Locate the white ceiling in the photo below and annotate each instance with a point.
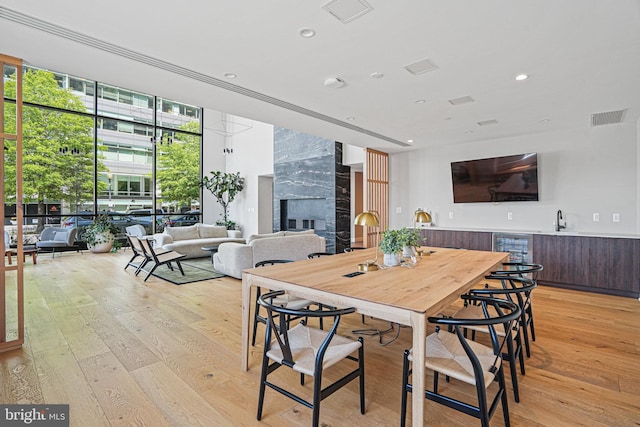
(583, 57)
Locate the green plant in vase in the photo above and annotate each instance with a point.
(100, 235)
(391, 245)
(224, 186)
(410, 238)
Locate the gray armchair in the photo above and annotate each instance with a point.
(60, 239)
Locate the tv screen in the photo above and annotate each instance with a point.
(496, 179)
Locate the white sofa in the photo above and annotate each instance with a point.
(232, 258)
(189, 240)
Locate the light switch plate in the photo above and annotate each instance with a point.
(450, 215)
(616, 217)
(596, 217)
(509, 216)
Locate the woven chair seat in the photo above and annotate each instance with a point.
(446, 355)
(305, 342)
(292, 302)
(475, 312)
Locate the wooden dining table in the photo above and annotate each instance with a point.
(407, 296)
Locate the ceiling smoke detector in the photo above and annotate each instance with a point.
(334, 82)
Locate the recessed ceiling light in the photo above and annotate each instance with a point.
(521, 77)
(377, 75)
(420, 101)
(307, 33)
(409, 140)
(230, 75)
(351, 118)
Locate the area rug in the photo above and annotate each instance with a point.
(195, 270)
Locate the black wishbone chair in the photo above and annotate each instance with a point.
(308, 351)
(519, 292)
(451, 354)
(285, 300)
(528, 270)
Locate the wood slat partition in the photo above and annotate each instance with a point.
(11, 276)
(377, 192)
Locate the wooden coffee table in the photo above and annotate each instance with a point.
(27, 250)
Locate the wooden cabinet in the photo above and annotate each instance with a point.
(475, 240)
(600, 264)
(597, 264)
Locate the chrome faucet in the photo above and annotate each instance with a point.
(558, 218)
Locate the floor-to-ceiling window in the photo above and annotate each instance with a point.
(91, 148)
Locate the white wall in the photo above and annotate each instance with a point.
(253, 157)
(212, 159)
(582, 171)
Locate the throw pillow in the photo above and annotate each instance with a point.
(182, 233)
(61, 236)
(262, 236)
(211, 231)
(293, 233)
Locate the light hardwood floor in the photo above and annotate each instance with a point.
(123, 352)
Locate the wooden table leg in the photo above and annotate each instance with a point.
(8, 254)
(419, 325)
(246, 320)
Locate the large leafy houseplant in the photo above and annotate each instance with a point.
(100, 234)
(224, 186)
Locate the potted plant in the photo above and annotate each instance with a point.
(100, 234)
(224, 186)
(391, 245)
(410, 238)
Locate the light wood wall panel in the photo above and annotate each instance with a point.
(376, 192)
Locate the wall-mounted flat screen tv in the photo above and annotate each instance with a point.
(496, 179)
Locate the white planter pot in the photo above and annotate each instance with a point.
(391, 260)
(408, 251)
(106, 245)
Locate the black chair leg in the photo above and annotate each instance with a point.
(512, 368)
(256, 318)
(405, 380)
(361, 364)
(317, 391)
(150, 271)
(530, 322)
(505, 403)
(263, 380)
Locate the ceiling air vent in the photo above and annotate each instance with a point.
(488, 122)
(347, 10)
(461, 100)
(607, 118)
(421, 67)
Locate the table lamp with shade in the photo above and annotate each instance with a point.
(421, 217)
(369, 219)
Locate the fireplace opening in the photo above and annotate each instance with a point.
(303, 214)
